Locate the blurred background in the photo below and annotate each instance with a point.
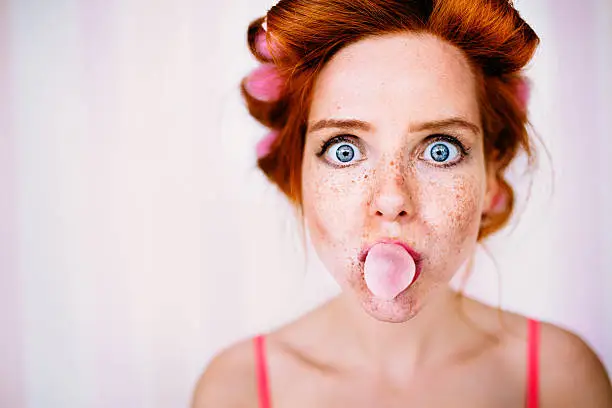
(137, 237)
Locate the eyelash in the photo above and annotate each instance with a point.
(464, 151)
(336, 139)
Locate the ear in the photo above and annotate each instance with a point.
(493, 192)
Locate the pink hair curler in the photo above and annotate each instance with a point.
(262, 46)
(264, 83)
(523, 92)
(263, 146)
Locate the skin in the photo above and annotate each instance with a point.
(428, 347)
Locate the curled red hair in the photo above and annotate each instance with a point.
(497, 42)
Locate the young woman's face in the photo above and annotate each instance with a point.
(394, 151)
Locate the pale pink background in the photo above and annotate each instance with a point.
(137, 236)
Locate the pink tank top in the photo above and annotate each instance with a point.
(533, 341)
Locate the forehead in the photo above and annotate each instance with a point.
(396, 77)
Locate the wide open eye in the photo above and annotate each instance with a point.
(444, 151)
(341, 151)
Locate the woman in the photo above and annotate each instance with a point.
(392, 125)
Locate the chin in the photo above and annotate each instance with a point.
(398, 310)
(389, 311)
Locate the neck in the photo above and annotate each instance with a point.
(408, 344)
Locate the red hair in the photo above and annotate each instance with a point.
(497, 42)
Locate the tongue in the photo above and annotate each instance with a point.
(388, 270)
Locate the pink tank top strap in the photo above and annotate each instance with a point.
(533, 352)
(261, 372)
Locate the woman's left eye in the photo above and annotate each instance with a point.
(442, 152)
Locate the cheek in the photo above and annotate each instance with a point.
(334, 203)
(452, 212)
(453, 203)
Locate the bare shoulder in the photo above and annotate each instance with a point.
(571, 373)
(229, 380)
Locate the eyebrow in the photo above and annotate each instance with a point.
(339, 124)
(446, 123)
(419, 127)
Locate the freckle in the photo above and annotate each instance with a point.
(392, 163)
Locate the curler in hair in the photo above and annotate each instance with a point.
(263, 146)
(264, 83)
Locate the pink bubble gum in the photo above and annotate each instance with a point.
(265, 83)
(263, 146)
(388, 270)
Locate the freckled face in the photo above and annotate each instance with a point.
(394, 151)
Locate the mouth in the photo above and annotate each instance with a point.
(413, 253)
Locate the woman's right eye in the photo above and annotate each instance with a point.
(341, 151)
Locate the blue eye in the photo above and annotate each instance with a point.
(441, 151)
(345, 153)
(341, 151)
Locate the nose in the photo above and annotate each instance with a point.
(390, 207)
(392, 199)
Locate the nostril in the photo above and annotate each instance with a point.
(402, 213)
